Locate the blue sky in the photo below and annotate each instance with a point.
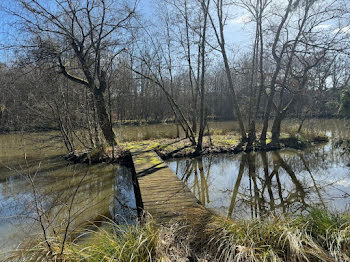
(238, 34)
(238, 30)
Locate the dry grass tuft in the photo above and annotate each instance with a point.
(116, 243)
(319, 236)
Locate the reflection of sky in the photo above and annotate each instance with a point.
(53, 188)
(328, 181)
(14, 212)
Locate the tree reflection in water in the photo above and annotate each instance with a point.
(72, 195)
(257, 185)
(195, 168)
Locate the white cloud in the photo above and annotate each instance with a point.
(344, 30)
(322, 27)
(344, 183)
(244, 19)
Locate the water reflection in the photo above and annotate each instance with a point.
(260, 184)
(37, 183)
(73, 195)
(200, 179)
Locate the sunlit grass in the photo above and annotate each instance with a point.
(108, 243)
(318, 236)
(116, 243)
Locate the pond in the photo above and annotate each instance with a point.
(34, 179)
(259, 184)
(37, 183)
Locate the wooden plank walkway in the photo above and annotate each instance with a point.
(164, 195)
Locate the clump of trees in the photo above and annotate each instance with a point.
(92, 63)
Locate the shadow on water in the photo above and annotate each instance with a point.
(260, 184)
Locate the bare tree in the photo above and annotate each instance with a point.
(83, 37)
(218, 25)
(257, 10)
(202, 112)
(295, 52)
(153, 59)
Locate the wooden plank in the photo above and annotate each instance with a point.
(164, 195)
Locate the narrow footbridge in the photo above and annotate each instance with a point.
(164, 195)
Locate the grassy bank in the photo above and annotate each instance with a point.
(129, 133)
(168, 148)
(116, 243)
(218, 143)
(317, 236)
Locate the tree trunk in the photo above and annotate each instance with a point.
(301, 124)
(252, 91)
(269, 106)
(103, 118)
(251, 134)
(278, 59)
(260, 60)
(235, 101)
(194, 121)
(96, 124)
(221, 41)
(202, 112)
(276, 126)
(276, 129)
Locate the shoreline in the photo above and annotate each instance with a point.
(168, 149)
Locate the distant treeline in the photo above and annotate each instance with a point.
(32, 101)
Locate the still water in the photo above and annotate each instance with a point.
(260, 184)
(37, 184)
(35, 180)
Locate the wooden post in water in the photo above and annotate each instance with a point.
(127, 200)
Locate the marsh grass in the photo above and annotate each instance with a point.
(107, 242)
(145, 132)
(307, 133)
(36, 250)
(115, 243)
(331, 231)
(318, 236)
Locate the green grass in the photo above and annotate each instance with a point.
(116, 243)
(331, 231)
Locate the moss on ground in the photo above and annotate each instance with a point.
(178, 148)
(228, 143)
